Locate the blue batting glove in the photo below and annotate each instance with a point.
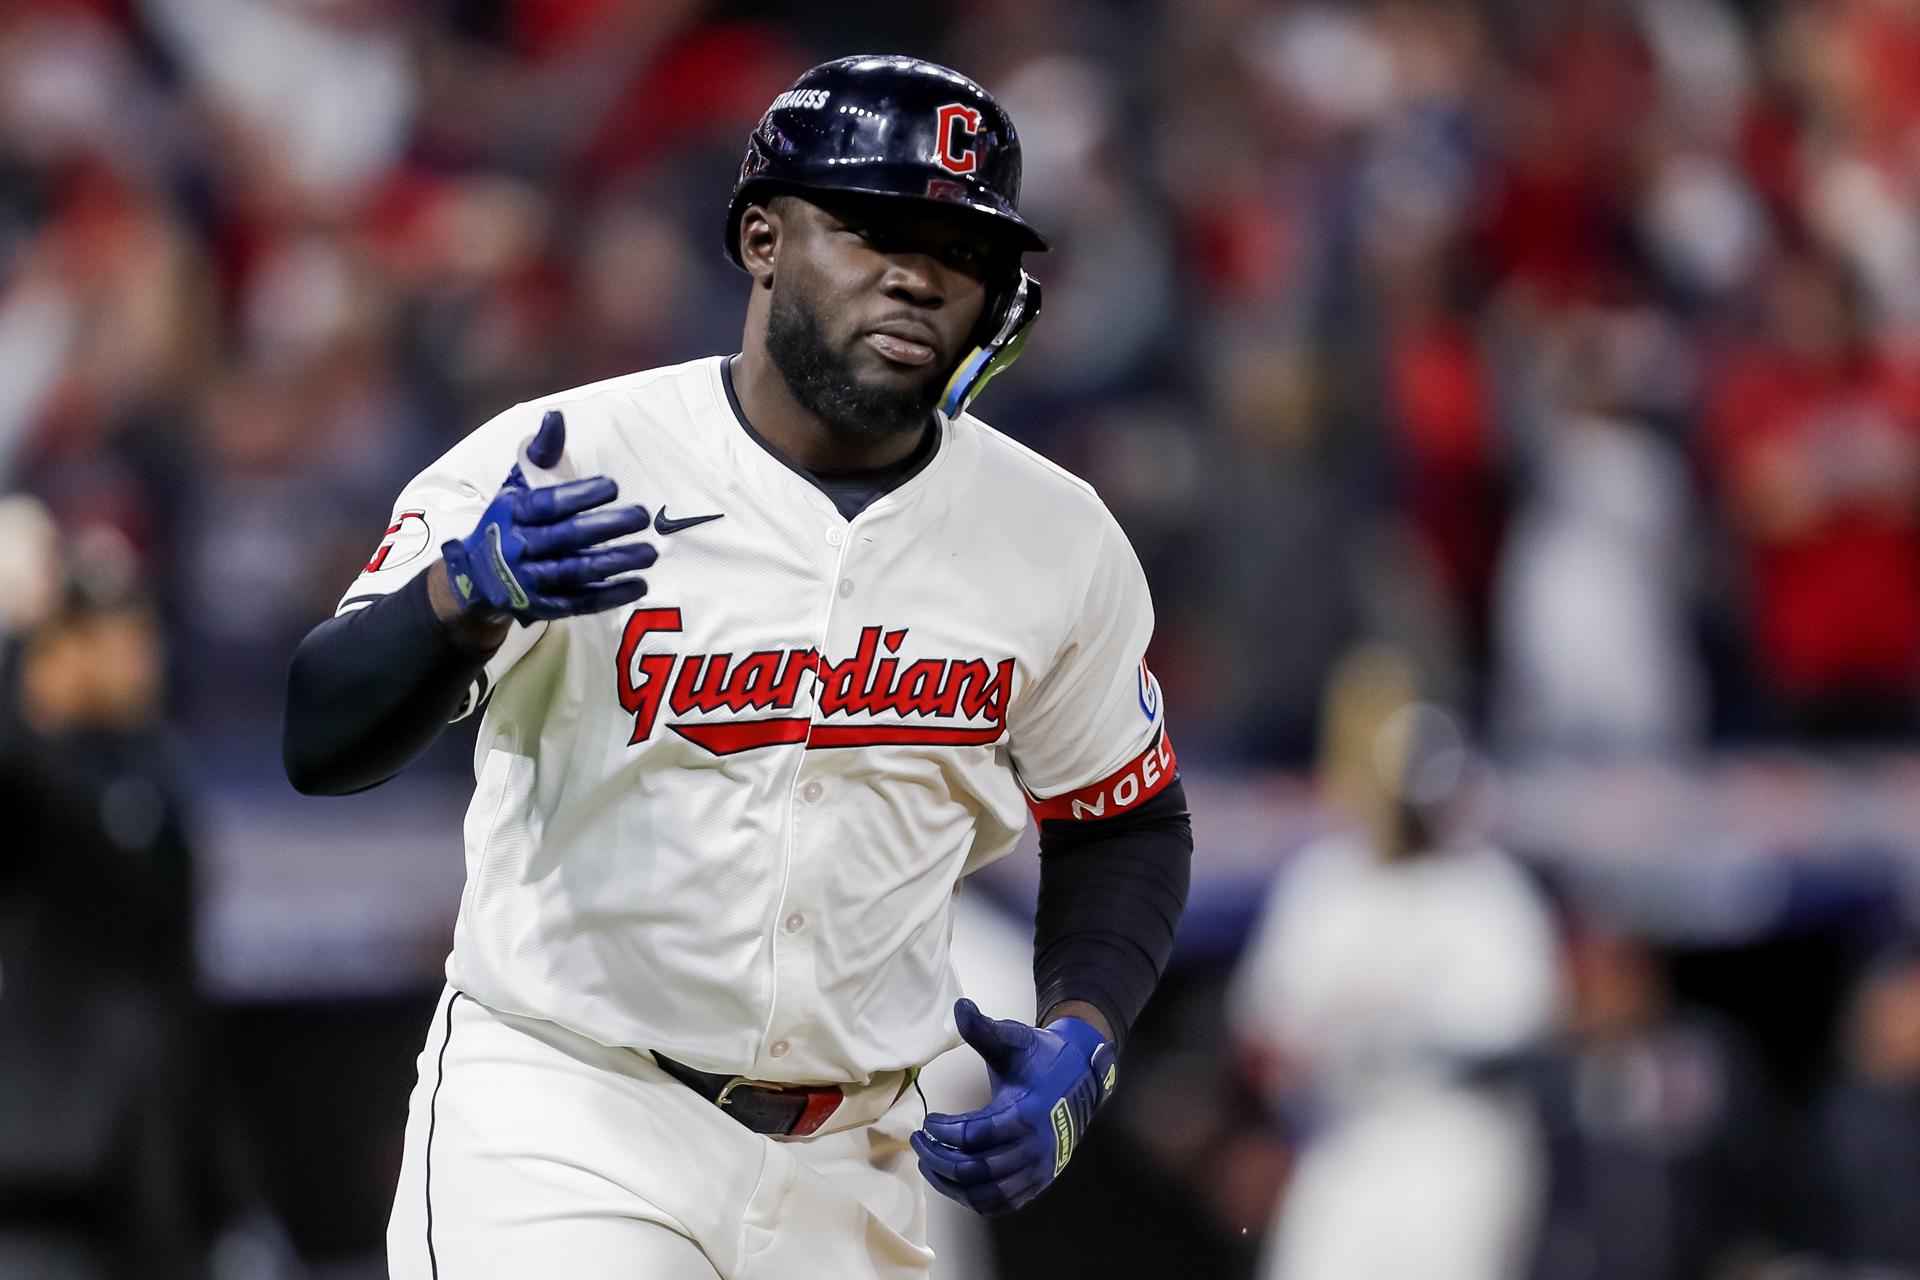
(1046, 1083)
(537, 553)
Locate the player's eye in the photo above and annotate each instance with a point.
(972, 261)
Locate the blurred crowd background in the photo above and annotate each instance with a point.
(1515, 405)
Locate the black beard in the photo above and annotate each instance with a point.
(824, 384)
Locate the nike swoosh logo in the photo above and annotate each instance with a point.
(666, 524)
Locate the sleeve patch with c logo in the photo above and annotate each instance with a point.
(405, 538)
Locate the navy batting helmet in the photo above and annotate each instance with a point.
(887, 125)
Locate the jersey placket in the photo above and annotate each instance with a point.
(795, 996)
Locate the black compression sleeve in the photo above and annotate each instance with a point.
(1111, 894)
(369, 691)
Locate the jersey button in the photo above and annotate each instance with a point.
(846, 587)
(777, 1049)
(812, 791)
(833, 537)
(796, 922)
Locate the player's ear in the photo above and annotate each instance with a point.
(760, 241)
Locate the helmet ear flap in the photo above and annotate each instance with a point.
(1010, 323)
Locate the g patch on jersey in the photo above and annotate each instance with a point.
(1149, 693)
(404, 539)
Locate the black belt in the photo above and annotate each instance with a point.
(788, 1110)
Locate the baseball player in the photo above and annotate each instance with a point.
(721, 812)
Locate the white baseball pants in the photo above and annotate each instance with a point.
(532, 1152)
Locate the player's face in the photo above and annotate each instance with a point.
(874, 303)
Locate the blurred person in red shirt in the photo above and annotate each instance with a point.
(1813, 439)
(1441, 411)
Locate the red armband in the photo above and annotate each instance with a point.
(1128, 787)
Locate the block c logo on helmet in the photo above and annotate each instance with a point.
(955, 122)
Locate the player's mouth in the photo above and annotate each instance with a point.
(904, 344)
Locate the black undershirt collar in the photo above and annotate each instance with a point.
(851, 492)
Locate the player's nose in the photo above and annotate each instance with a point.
(914, 278)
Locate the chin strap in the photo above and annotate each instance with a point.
(982, 363)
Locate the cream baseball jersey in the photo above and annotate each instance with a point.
(728, 822)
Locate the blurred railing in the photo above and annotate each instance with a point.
(332, 897)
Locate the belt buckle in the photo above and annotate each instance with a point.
(726, 1091)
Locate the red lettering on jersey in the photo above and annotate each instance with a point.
(758, 678)
(695, 690)
(800, 663)
(731, 737)
(919, 688)
(869, 682)
(1128, 787)
(843, 684)
(957, 121)
(882, 735)
(643, 683)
